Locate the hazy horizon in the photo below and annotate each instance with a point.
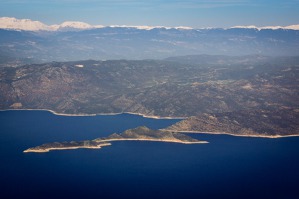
(196, 14)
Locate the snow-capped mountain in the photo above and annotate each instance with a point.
(72, 25)
(291, 27)
(22, 24)
(77, 40)
(29, 25)
(151, 27)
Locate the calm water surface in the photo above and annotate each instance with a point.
(227, 167)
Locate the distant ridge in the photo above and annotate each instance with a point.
(30, 25)
(291, 27)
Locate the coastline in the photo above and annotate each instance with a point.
(231, 134)
(65, 148)
(155, 117)
(153, 140)
(100, 145)
(95, 114)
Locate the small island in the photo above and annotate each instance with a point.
(137, 134)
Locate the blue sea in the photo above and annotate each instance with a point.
(227, 167)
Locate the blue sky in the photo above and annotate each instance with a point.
(194, 13)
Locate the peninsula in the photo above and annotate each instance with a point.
(250, 123)
(137, 134)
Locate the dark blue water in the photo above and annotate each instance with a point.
(227, 167)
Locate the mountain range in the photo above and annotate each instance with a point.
(30, 25)
(240, 80)
(21, 43)
(12, 23)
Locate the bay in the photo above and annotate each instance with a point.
(227, 167)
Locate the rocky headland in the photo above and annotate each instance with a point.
(138, 134)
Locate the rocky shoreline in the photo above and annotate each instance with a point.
(138, 134)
